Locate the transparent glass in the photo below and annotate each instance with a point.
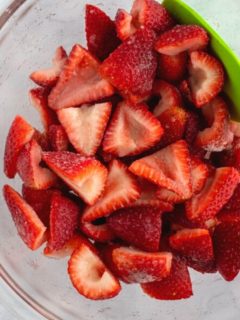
(27, 42)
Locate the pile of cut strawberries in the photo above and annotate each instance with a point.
(135, 177)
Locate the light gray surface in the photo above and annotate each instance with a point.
(223, 15)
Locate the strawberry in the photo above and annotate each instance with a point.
(64, 215)
(124, 24)
(229, 215)
(20, 133)
(39, 99)
(30, 228)
(231, 156)
(42, 139)
(132, 130)
(235, 128)
(176, 286)
(172, 68)
(185, 90)
(226, 240)
(100, 32)
(148, 197)
(218, 135)
(98, 232)
(92, 119)
(234, 202)
(206, 77)
(199, 174)
(168, 168)
(40, 201)
(168, 95)
(168, 196)
(86, 176)
(90, 276)
(58, 138)
(132, 66)
(135, 266)
(29, 169)
(48, 77)
(182, 38)
(79, 82)
(192, 127)
(195, 244)
(121, 189)
(151, 14)
(218, 189)
(139, 226)
(203, 267)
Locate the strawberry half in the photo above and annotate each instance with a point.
(168, 95)
(176, 286)
(39, 99)
(182, 38)
(206, 77)
(121, 189)
(40, 201)
(218, 135)
(58, 138)
(172, 68)
(139, 226)
(30, 228)
(90, 119)
(86, 176)
(48, 77)
(28, 167)
(226, 240)
(168, 168)
(135, 266)
(124, 24)
(100, 32)
(64, 215)
(20, 133)
(90, 276)
(193, 244)
(79, 81)
(98, 232)
(133, 57)
(218, 189)
(132, 130)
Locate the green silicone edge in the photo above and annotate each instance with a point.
(185, 14)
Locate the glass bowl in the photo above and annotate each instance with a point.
(30, 32)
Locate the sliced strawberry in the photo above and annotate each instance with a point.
(182, 38)
(229, 215)
(58, 138)
(231, 156)
(195, 244)
(30, 228)
(203, 267)
(174, 122)
(29, 169)
(92, 119)
(185, 90)
(48, 77)
(168, 168)
(135, 266)
(64, 215)
(192, 127)
(42, 139)
(98, 232)
(151, 14)
(20, 133)
(226, 239)
(199, 173)
(168, 95)
(176, 286)
(206, 77)
(90, 276)
(39, 99)
(124, 24)
(40, 201)
(69, 247)
(132, 130)
(86, 176)
(172, 68)
(235, 128)
(79, 82)
(121, 190)
(234, 201)
(148, 197)
(139, 226)
(169, 196)
(218, 189)
(132, 66)
(218, 135)
(100, 32)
